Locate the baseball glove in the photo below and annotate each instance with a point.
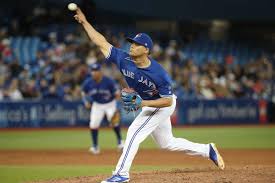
(131, 99)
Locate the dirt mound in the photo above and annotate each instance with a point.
(242, 165)
(206, 175)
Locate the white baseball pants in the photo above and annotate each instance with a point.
(99, 110)
(155, 121)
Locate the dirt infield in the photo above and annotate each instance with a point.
(241, 165)
(251, 174)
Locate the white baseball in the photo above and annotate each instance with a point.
(72, 6)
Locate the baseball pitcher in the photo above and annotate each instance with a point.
(149, 89)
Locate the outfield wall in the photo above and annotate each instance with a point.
(54, 113)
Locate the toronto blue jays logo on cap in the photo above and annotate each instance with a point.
(138, 35)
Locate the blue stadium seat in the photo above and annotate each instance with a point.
(25, 49)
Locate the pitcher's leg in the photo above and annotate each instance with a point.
(142, 126)
(96, 117)
(164, 137)
(113, 117)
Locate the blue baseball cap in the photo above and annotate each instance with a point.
(95, 67)
(142, 39)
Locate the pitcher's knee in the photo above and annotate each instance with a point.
(166, 146)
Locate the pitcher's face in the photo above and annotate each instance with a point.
(137, 50)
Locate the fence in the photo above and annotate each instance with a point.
(52, 113)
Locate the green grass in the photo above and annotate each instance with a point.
(241, 138)
(232, 137)
(16, 174)
(225, 137)
(22, 174)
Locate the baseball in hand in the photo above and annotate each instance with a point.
(72, 6)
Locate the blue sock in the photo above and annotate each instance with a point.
(118, 134)
(94, 134)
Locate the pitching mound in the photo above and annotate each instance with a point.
(229, 175)
(242, 166)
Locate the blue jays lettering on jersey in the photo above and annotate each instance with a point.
(102, 92)
(151, 83)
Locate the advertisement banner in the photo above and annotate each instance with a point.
(43, 114)
(65, 114)
(218, 111)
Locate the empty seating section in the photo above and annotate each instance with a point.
(202, 51)
(25, 49)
